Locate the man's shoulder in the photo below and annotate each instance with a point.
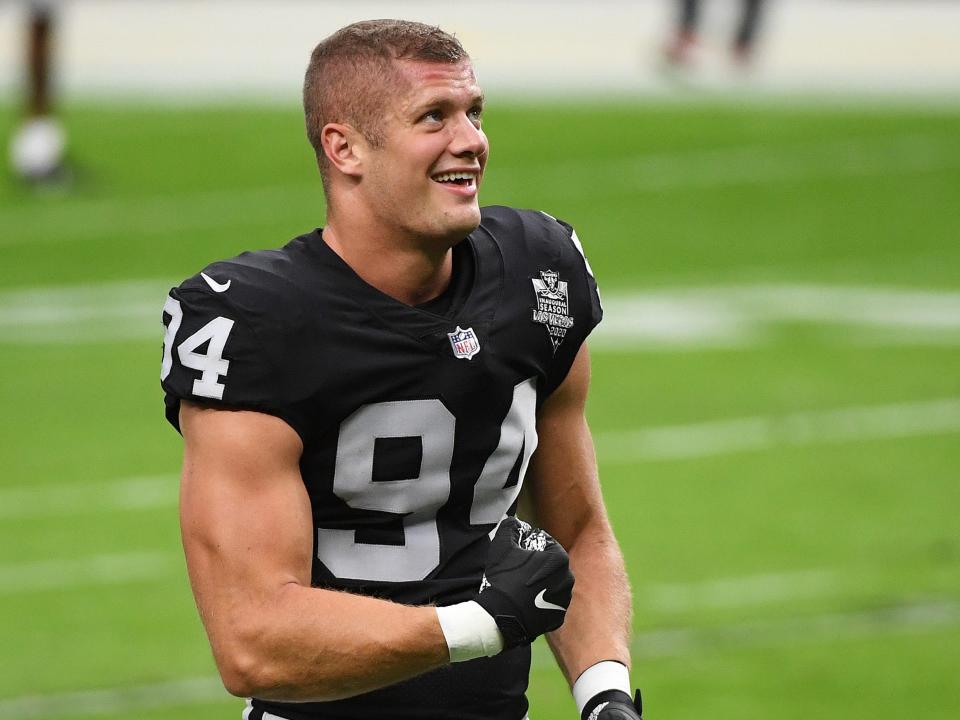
(532, 224)
(259, 273)
(235, 334)
(255, 284)
(542, 251)
(531, 236)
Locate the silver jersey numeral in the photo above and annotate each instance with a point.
(419, 498)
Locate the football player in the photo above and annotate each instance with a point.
(680, 49)
(39, 143)
(362, 407)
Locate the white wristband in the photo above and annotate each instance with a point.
(469, 630)
(606, 675)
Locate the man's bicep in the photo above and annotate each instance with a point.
(244, 512)
(562, 484)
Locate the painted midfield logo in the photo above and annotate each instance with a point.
(553, 306)
(464, 343)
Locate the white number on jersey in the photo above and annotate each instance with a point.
(210, 364)
(418, 498)
(172, 308)
(518, 432)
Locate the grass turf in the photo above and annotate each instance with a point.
(663, 195)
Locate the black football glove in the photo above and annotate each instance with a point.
(613, 705)
(527, 585)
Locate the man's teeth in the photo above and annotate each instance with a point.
(451, 177)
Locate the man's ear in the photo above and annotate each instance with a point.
(344, 147)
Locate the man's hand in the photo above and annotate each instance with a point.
(613, 705)
(527, 584)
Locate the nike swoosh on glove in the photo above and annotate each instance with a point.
(527, 584)
(613, 705)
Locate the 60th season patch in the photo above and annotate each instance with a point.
(553, 306)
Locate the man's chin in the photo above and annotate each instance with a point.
(463, 222)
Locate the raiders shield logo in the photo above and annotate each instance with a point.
(553, 306)
(464, 343)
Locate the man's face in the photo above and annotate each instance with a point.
(425, 176)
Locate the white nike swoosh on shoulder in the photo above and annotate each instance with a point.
(543, 604)
(214, 285)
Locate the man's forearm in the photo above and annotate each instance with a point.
(312, 644)
(287, 641)
(597, 626)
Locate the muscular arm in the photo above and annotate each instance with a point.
(565, 493)
(247, 534)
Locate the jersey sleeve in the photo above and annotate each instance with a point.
(584, 307)
(592, 291)
(228, 343)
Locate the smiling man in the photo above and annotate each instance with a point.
(362, 407)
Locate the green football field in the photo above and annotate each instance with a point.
(776, 396)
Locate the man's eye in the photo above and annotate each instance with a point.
(433, 115)
(476, 114)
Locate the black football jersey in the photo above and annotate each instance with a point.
(418, 423)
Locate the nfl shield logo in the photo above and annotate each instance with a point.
(464, 342)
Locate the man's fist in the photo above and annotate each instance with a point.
(613, 705)
(527, 584)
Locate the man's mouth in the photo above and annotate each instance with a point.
(464, 179)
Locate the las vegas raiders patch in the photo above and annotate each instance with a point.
(553, 306)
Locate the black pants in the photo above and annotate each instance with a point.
(746, 30)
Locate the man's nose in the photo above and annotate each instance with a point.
(468, 139)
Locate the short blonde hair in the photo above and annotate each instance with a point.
(352, 72)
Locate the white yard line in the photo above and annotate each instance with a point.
(115, 569)
(75, 220)
(822, 629)
(115, 701)
(755, 165)
(745, 591)
(826, 427)
(79, 314)
(78, 220)
(800, 630)
(45, 500)
(696, 318)
(655, 443)
(745, 315)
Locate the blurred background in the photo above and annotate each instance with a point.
(770, 198)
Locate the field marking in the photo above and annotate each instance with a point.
(79, 314)
(798, 630)
(108, 569)
(94, 219)
(652, 644)
(746, 315)
(74, 219)
(697, 318)
(756, 165)
(743, 591)
(654, 443)
(51, 500)
(761, 432)
(115, 701)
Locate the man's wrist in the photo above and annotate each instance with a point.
(470, 631)
(600, 677)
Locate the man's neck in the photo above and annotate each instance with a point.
(407, 270)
